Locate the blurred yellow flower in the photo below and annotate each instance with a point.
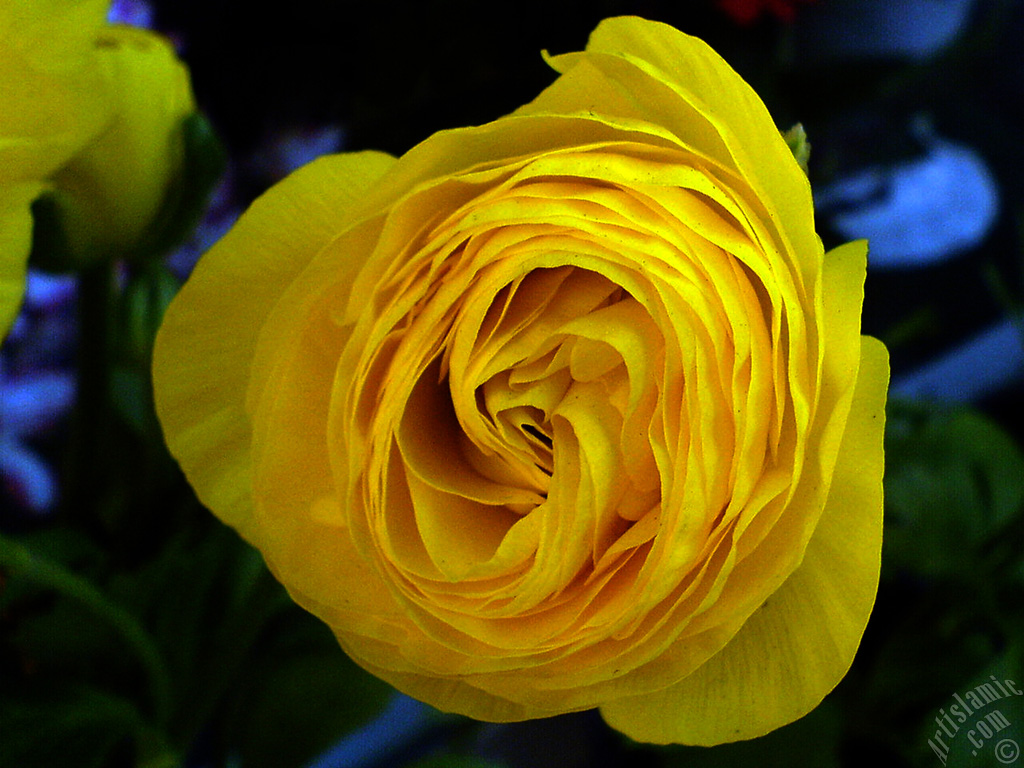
(108, 100)
(52, 87)
(568, 410)
(112, 191)
(53, 100)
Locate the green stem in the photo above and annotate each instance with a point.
(19, 560)
(231, 646)
(90, 448)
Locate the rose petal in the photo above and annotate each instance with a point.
(220, 312)
(801, 642)
(670, 79)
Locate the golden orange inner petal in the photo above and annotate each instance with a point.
(560, 411)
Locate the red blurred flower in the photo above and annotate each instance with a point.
(748, 11)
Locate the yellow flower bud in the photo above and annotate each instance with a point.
(112, 192)
(53, 100)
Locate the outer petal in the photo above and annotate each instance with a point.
(452, 695)
(15, 243)
(801, 642)
(656, 73)
(204, 351)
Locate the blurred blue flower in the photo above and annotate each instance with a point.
(918, 211)
(293, 148)
(137, 13)
(37, 390)
(45, 295)
(915, 29)
(395, 728)
(222, 211)
(29, 406)
(977, 368)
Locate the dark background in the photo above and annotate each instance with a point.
(253, 682)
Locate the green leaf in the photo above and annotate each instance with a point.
(81, 727)
(207, 598)
(796, 138)
(301, 705)
(129, 395)
(20, 562)
(51, 249)
(983, 736)
(954, 483)
(930, 644)
(204, 162)
(141, 308)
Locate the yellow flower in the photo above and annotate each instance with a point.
(568, 410)
(52, 89)
(52, 101)
(111, 193)
(92, 113)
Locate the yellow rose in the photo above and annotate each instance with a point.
(111, 193)
(567, 410)
(52, 101)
